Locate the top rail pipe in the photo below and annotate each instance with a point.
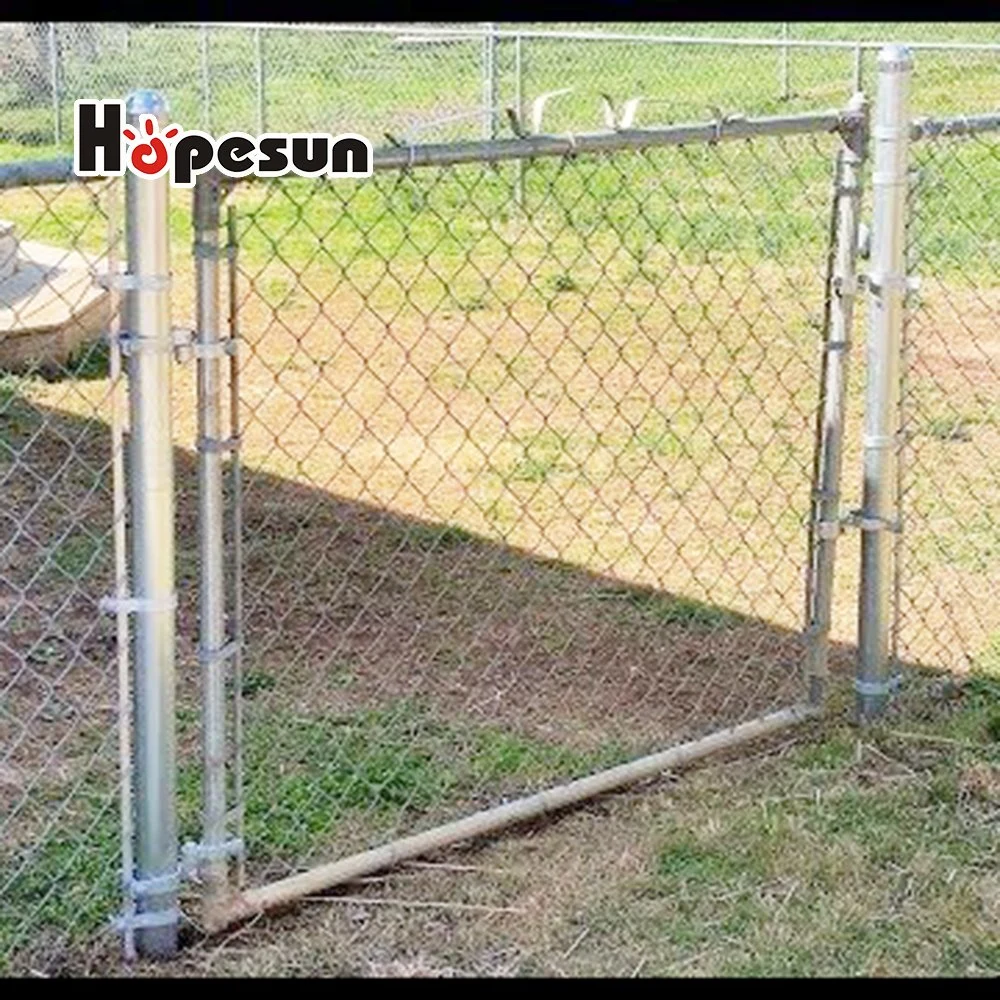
(443, 154)
(31, 173)
(459, 33)
(929, 128)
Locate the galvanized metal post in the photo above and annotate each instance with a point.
(858, 68)
(519, 105)
(236, 484)
(489, 80)
(206, 82)
(54, 83)
(785, 91)
(151, 489)
(887, 287)
(826, 522)
(258, 45)
(212, 646)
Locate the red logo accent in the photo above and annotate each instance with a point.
(149, 158)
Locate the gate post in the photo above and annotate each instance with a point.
(148, 341)
(887, 287)
(210, 855)
(826, 522)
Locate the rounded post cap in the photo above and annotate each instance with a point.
(894, 58)
(858, 101)
(146, 102)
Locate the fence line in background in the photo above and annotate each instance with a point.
(486, 102)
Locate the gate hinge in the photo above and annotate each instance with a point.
(137, 889)
(876, 688)
(878, 284)
(181, 343)
(857, 519)
(188, 346)
(193, 854)
(854, 519)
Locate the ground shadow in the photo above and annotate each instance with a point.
(394, 669)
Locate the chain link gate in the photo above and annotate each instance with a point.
(493, 457)
(502, 493)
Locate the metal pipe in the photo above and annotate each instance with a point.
(150, 359)
(236, 479)
(489, 80)
(931, 128)
(519, 105)
(443, 154)
(33, 173)
(840, 298)
(213, 868)
(887, 285)
(785, 92)
(600, 36)
(858, 68)
(54, 83)
(120, 542)
(491, 821)
(206, 82)
(259, 56)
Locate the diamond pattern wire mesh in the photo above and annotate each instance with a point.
(58, 679)
(427, 83)
(950, 479)
(526, 489)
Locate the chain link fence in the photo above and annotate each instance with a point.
(950, 479)
(533, 476)
(58, 675)
(443, 82)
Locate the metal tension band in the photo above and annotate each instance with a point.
(153, 918)
(192, 854)
(878, 283)
(837, 346)
(206, 657)
(828, 529)
(128, 342)
(218, 444)
(888, 178)
(856, 519)
(135, 282)
(845, 289)
(218, 348)
(205, 250)
(137, 605)
(879, 442)
(890, 131)
(158, 885)
(876, 688)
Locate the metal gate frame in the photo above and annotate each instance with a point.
(224, 900)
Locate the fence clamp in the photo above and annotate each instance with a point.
(876, 688)
(129, 343)
(133, 282)
(193, 854)
(137, 889)
(877, 284)
(113, 604)
(857, 519)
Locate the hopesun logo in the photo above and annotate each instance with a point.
(105, 145)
